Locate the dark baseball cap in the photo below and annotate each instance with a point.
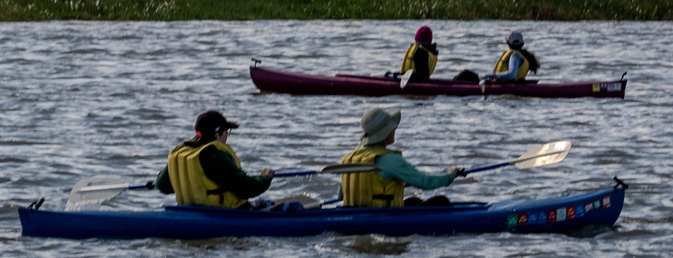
(212, 122)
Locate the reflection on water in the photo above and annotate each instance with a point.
(377, 244)
(82, 99)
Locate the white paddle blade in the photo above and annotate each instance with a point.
(378, 74)
(91, 192)
(482, 85)
(350, 168)
(405, 78)
(546, 154)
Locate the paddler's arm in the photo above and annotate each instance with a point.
(513, 65)
(221, 168)
(394, 165)
(163, 182)
(340, 194)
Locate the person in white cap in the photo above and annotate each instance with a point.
(386, 188)
(515, 63)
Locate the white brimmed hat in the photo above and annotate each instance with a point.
(514, 38)
(378, 124)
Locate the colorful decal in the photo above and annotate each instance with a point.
(606, 201)
(532, 219)
(579, 211)
(561, 214)
(617, 86)
(596, 87)
(558, 214)
(570, 212)
(551, 216)
(512, 220)
(542, 217)
(523, 219)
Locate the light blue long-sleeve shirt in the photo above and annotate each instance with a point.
(394, 166)
(513, 68)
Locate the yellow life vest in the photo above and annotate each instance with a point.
(370, 189)
(409, 64)
(503, 64)
(190, 183)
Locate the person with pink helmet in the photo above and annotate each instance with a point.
(421, 57)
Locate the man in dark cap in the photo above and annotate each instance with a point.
(206, 171)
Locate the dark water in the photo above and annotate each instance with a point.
(80, 99)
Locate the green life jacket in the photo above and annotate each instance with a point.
(503, 64)
(409, 64)
(370, 189)
(191, 185)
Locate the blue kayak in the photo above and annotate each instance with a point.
(558, 214)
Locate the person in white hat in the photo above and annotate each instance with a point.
(386, 188)
(515, 63)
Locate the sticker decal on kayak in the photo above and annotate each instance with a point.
(557, 215)
(613, 86)
(606, 201)
(617, 86)
(570, 212)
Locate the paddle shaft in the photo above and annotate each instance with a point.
(477, 169)
(511, 162)
(145, 186)
(469, 171)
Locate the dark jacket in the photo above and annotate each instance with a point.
(421, 62)
(221, 168)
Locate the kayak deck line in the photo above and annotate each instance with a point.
(276, 81)
(556, 214)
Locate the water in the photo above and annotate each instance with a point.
(81, 99)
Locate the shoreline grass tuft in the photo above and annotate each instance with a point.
(175, 10)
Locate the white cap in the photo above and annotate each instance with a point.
(514, 38)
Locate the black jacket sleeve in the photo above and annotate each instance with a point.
(221, 168)
(163, 182)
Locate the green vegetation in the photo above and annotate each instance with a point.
(32, 10)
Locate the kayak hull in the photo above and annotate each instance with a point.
(559, 214)
(276, 81)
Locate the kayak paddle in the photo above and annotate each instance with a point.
(95, 190)
(546, 154)
(91, 192)
(334, 169)
(405, 78)
(482, 85)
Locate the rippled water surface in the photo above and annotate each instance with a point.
(81, 99)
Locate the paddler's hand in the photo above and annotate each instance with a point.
(267, 172)
(455, 171)
(488, 77)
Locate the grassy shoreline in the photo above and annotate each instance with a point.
(172, 10)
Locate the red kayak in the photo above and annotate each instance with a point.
(275, 81)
